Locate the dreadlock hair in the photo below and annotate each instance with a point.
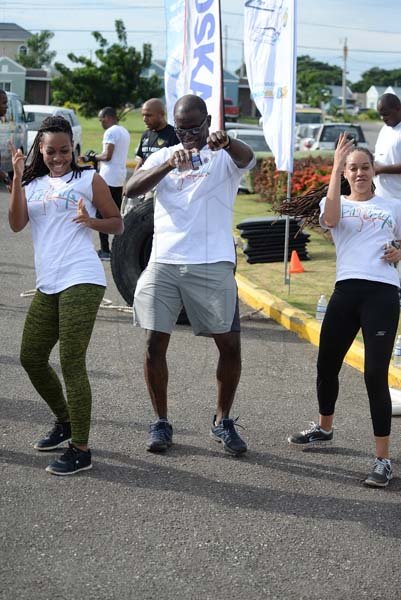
(35, 166)
(306, 207)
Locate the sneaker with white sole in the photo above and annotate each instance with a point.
(56, 437)
(226, 434)
(313, 435)
(72, 461)
(381, 474)
(160, 437)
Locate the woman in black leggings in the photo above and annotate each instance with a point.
(365, 296)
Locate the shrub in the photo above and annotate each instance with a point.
(309, 172)
(369, 115)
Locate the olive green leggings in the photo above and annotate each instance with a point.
(67, 317)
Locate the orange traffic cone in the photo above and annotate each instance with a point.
(295, 263)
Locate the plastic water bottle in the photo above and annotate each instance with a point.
(397, 352)
(321, 308)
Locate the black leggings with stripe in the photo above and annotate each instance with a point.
(373, 307)
(67, 317)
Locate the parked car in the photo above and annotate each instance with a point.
(256, 140)
(253, 137)
(325, 136)
(231, 111)
(13, 128)
(235, 125)
(305, 135)
(35, 113)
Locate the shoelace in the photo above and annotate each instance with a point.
(235, 422)
(232, 423)
(312, 428)
(54, 429)
(380, 466)
(69, 453)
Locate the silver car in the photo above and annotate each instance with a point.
(324, 137)
(12, 128)
(256, 140)
(35, 113)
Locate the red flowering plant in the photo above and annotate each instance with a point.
(309, 173)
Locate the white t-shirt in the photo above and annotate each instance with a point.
(193, 209)
(64, 251)
(388, 152)
(114, 171)
(359, 237)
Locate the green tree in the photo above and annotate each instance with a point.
(313, 79)
(114, 80)
(377, 76)
(38, 54)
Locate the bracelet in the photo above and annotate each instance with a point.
(226, 147)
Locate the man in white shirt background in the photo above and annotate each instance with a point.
(388, 148)
(113, 158)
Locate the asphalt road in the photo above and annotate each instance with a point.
(194, 524)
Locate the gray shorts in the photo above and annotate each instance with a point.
(207, 291)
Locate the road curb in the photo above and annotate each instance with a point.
(301, 323)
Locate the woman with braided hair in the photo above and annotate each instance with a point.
(59, 200)
(365, 296)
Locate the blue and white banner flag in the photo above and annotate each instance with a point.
(270, 58)
(193, 63)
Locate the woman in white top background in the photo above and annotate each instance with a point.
(366, 296)
(59, 200)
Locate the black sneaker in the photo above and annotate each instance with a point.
(226, 434)
(313, 435)
(54, 438)
(381, 474)
(160, 437)
(72, 461)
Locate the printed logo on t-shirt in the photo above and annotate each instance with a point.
(61, 199)
(370, 215)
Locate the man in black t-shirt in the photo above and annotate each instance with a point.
(159, 133)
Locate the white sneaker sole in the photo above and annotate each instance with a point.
(375, 484)
(315, 444)
(50, 470)
(51, 447)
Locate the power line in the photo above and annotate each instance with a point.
(353, 50)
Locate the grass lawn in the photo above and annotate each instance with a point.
(92, 132)
(305, 288)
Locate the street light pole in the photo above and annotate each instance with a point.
(344, 93)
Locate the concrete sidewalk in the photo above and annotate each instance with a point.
(301, 323)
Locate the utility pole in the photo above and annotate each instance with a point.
(242, 67)
(345, 56)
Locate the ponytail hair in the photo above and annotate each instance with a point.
(306, 207)
(35, 166)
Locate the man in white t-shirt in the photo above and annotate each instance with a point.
(116, 141)
(192, 260)
(388, 148)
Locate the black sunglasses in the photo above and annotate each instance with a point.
(191, 130)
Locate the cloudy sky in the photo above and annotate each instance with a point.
(372, 27)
